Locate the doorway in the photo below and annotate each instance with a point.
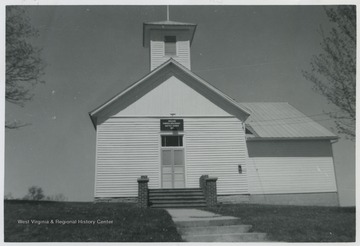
(172, 162)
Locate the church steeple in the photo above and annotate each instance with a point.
(168, 39)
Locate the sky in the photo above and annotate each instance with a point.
(251, 53)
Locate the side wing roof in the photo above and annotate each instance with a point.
(158, 76)
(282, 121)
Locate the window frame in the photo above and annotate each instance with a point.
(180, 137)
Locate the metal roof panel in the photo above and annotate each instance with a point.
(281, 120)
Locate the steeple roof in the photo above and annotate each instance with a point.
(166, 25)
(168, 22)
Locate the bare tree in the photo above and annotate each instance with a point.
(24, 66)
(333, 71)
(34, 193)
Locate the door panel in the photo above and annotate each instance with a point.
(167, 185)
(178, 169)
(179, 157)
(173, 168)
(167, 170)
(167, 158)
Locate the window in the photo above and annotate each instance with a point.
(171, 141)
(170, 45)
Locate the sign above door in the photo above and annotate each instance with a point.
(171, 124)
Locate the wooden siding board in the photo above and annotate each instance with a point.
(120, 161)
(276, 175)
(96, 163)
(136, 153)
(222, 159)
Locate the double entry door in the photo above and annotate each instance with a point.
(172, 164)
(173, 168)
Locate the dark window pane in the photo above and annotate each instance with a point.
(170, 45)
(168, 141)
(170, 39)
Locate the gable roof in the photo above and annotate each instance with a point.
(267, 121)
(158, 76)
(281, 120)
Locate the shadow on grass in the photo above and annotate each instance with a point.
(41, 221)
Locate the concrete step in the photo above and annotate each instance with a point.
(178, 205)
(172, 197)
(231, 237)
(170, 201)
(223, 221)
(206, 230)
(176, 198)
(166, 202)
(151, 191)
(175, 193)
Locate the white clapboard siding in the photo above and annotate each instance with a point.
(173, 96)
(216, 147)
(126, 149)
(157, 53)
(276, 175)
(129, 147)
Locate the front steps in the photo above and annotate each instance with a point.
(202, 226)
(176, 198)
(231, 237)
(226, 230)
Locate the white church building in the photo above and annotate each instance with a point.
(174, 127)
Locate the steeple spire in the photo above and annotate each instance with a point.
(167, 13)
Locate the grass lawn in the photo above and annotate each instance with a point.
(296, 223)
(129, 224)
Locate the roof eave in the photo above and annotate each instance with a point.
(98, 109)
(211, 87)
(189, 25)
(93, 119)
(291, 138)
